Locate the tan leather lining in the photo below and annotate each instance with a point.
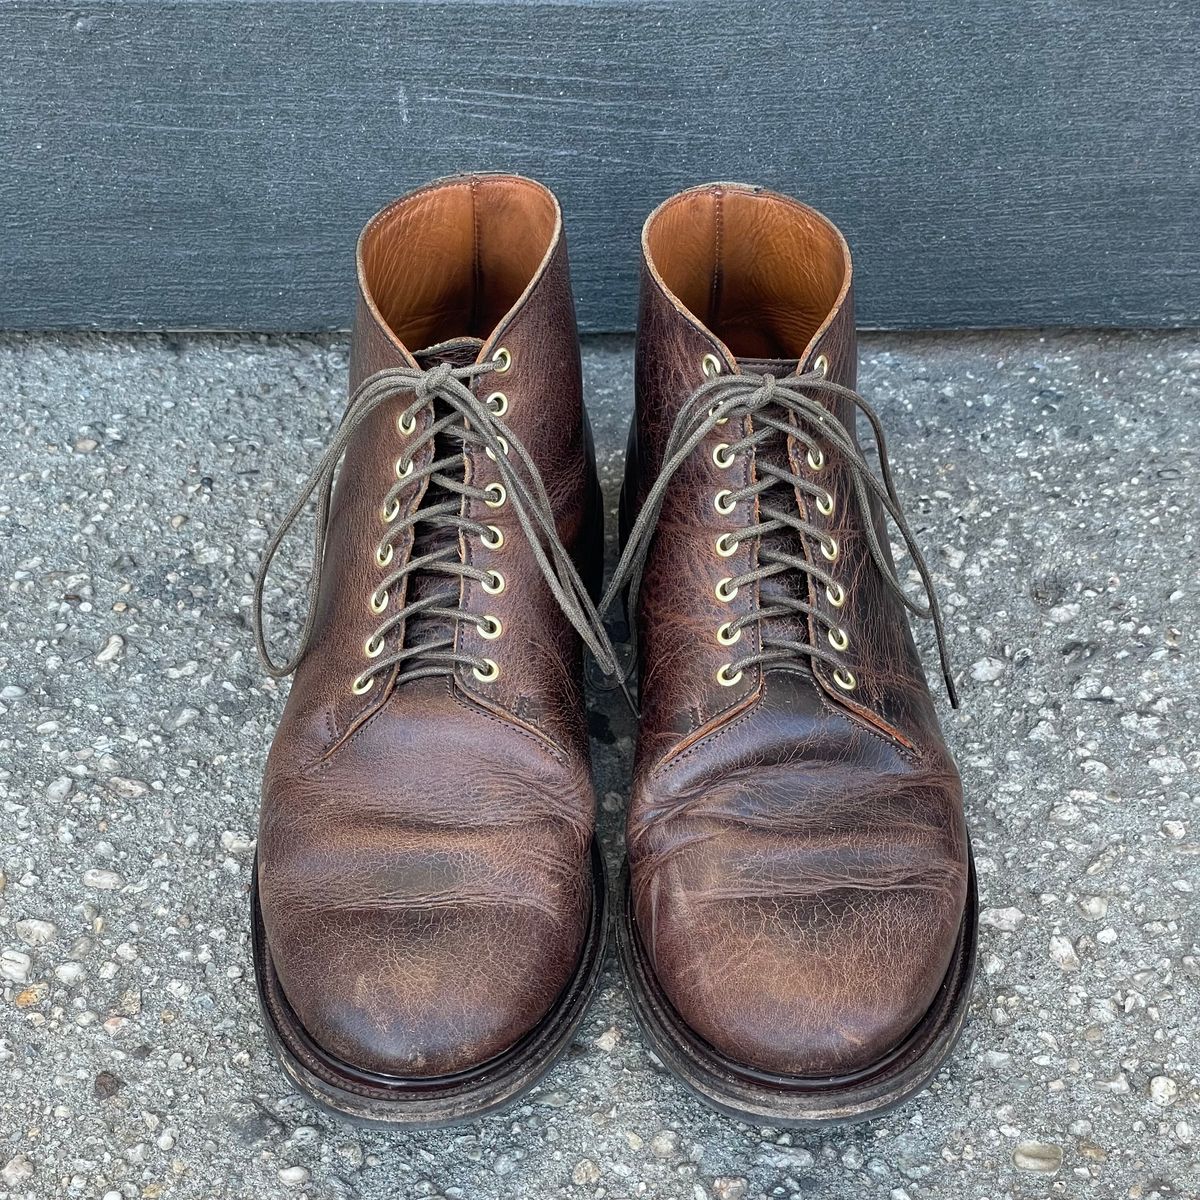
(762, 272)
(451, 260)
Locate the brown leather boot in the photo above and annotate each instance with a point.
(801, 916)
(429, 905)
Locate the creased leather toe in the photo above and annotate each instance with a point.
(805, 977)
(420, 985)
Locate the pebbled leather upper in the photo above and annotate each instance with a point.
(423, 855)
(798, 854)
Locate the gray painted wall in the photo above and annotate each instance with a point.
(208, 164)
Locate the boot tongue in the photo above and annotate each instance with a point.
(779, 367)
(791, 584)
(458, 352)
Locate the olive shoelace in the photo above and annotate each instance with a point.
(782, 410)
(459, 420)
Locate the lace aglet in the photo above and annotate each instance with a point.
(951, 690)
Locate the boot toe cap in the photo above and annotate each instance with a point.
(810, 987)
(420, 991)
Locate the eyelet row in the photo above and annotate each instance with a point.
(726, 543)
(496, 496)
(838, 638)
(491, 627)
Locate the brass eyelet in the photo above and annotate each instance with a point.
(836, 595)
(724, 678)
(489, 674)
(406, 424)
(845, 680)
(390, 513)
(383, 554)
(727, 545)
(491, 628)
(403, 471)
(502, 359)
(373, 646)
(825, 505)
(721, 420)
(722, 455)
(503, 449)
(821, 365)
(498, 403)
(362, 685)
(498, 494)
(379, 601)
(816, 458)
(727, 638)
(724, 591)
(829, 549)
(839, 639)
(723, 502)
(496, 540)
(494, 584)
(710, 364)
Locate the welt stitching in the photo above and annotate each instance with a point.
(540, 739)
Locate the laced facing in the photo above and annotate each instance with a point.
(460, 420)
(782, 410)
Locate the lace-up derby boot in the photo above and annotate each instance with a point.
(429, 902)
(800, 917)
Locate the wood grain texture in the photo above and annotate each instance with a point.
(208, 165)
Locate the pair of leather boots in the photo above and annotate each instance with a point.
(798, 921)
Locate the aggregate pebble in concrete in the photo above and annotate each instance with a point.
(1054, 483)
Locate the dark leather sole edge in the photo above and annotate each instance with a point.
(367, 1098)
(755, 1096)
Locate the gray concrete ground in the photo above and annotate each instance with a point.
(1054, 482)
